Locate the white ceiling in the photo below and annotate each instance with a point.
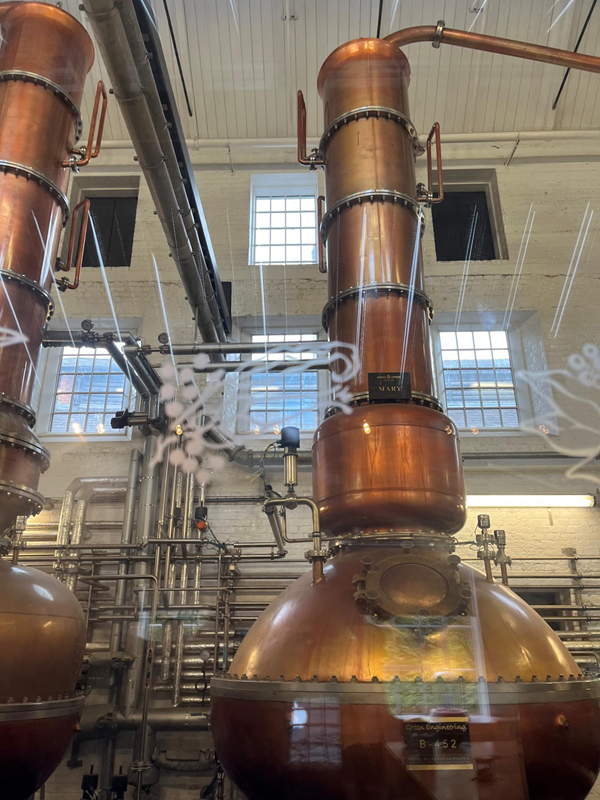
(243, 61)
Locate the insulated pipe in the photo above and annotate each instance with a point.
(76, 537)
(155, 106)
(197, 145)
(493, 44)
(138, 384)
(112, 40)
(275, 523)
(137, 631)
(126, 538)
(97, 717)
(135, 368)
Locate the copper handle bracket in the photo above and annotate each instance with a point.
(315, 159)
(63, 284)
(81, 157)
(321, 244)
(425, 193)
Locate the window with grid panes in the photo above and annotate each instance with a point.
(90, 389)
(284, 226)
(284, 398)
(479, 379)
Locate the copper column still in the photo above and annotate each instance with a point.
(45, 55)
(403, 674)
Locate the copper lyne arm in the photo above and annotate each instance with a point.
(493, 44)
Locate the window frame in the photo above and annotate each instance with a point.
(485, 321)
(90, 186)
(278, 327)
(47, 393)
(289, 183)
(479, 180)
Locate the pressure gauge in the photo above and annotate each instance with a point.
(163, 338)
(205, 655)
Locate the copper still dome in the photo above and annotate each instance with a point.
(42, 630)
(322, 690)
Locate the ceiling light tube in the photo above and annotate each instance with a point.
(530, 500)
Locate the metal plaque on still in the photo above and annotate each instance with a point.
(439, 743)
(389, 386)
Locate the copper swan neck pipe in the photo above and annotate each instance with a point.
(493, 44)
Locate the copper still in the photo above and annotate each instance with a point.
(401, 672)
(45, 55)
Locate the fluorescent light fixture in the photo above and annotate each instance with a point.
(530, 500)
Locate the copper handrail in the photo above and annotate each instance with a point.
(435, 133)
(315, 159)
(64, 284)
(90, 150)
(320, 245)
(493, 44)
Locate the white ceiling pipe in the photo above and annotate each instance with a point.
(448, 138)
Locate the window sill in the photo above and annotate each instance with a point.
(84, 438)
(281, 264)
(491, 432)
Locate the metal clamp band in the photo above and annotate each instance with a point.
(41, 710)
(368, 288)
(408, 695)
(416, 398)
(33, 174)
(32, 286)
(437, 37)
(33, 497)
(46, 83)
(29, 447)
(22, 408)
(371, 195)
(379, 112)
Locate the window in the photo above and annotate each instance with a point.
(90, 388)
(478, 379)
(283, 219)
(114, 223)
(468, 224)
(284, 398)
(462, 229)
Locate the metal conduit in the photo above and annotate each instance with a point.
(133, 97)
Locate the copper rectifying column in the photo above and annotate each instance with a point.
(389, 466)
(44, 58)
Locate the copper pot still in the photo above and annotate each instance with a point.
(45, 55)
(402, 674)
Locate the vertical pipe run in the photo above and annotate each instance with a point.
(76, 538)
(147, 528)
(218, 610)
(126, 538)
(188, 504)
(64, 524)
(169, 575)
